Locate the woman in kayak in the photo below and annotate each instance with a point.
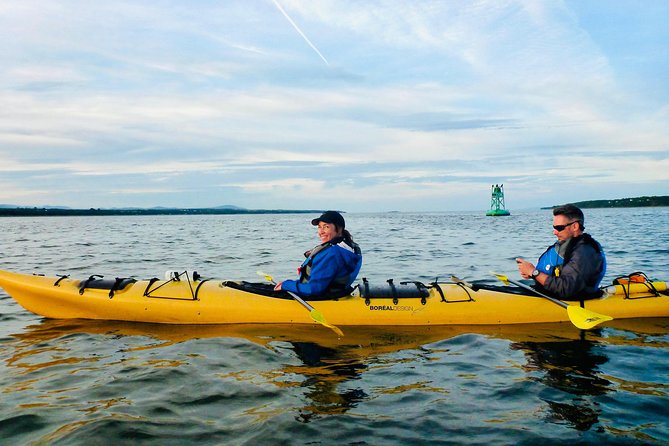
(331, 267)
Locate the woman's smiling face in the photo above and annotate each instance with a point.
(327, 231)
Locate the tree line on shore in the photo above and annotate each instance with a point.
(53, 212)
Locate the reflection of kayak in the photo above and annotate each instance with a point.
(200, 301)
(365, 341)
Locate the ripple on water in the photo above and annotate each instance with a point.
(92, 382)
(16, 426)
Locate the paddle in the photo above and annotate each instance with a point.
(459, 281)
(580, 317)
(314, 313)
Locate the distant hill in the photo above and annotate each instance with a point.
(3, 206)
(638, 202)
(49, 211)
(231, 207)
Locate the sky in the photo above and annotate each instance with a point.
(319, 104)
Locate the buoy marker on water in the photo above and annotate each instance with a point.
(497, 208)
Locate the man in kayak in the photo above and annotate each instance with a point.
(331, 267)
(574, 266)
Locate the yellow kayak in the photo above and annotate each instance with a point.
(184, 300)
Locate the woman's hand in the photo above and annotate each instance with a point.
(277, 287)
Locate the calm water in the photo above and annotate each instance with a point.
(87, 382)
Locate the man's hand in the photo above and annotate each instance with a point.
(525, 268)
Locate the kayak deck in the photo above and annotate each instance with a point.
(226, 302)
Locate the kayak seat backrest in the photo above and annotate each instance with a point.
(98, 283)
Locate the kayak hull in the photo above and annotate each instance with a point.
(214, 302)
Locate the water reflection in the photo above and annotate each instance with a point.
(88, 368)
(324, 370)
(571, 367)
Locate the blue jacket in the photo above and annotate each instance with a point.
(331, 268)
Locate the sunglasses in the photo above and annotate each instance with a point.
(560, 228)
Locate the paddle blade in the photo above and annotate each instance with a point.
(458, 280)
(585, 319)
(318, 317)
(501, 277)
(267, 277)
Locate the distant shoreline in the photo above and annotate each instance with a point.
(638, 202)
(60, 212)
(45, 211)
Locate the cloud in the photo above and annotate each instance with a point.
(430, 100)
(280, 186)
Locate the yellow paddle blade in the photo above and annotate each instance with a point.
(267, 277)
(318, 317)
(585, 319)
(501, 277)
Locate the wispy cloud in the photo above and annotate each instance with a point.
(426, 104)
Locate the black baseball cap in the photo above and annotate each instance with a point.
(332, 217)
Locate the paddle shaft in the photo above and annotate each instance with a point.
(529, 288)
(293, 295)
(270, 279)
(300, 300)
(580, 317)
(314, 313)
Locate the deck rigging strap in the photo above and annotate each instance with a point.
(197, 289)
(85, 283)
(365, 290)
(97, 282)
(60, 277)
(469, 296)
(114, 287)
(151, 282)
(435, 285)
(419, 285)
(636, 277)
(393, 290)
(119, 284)
(176, 277)
(465, 286)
